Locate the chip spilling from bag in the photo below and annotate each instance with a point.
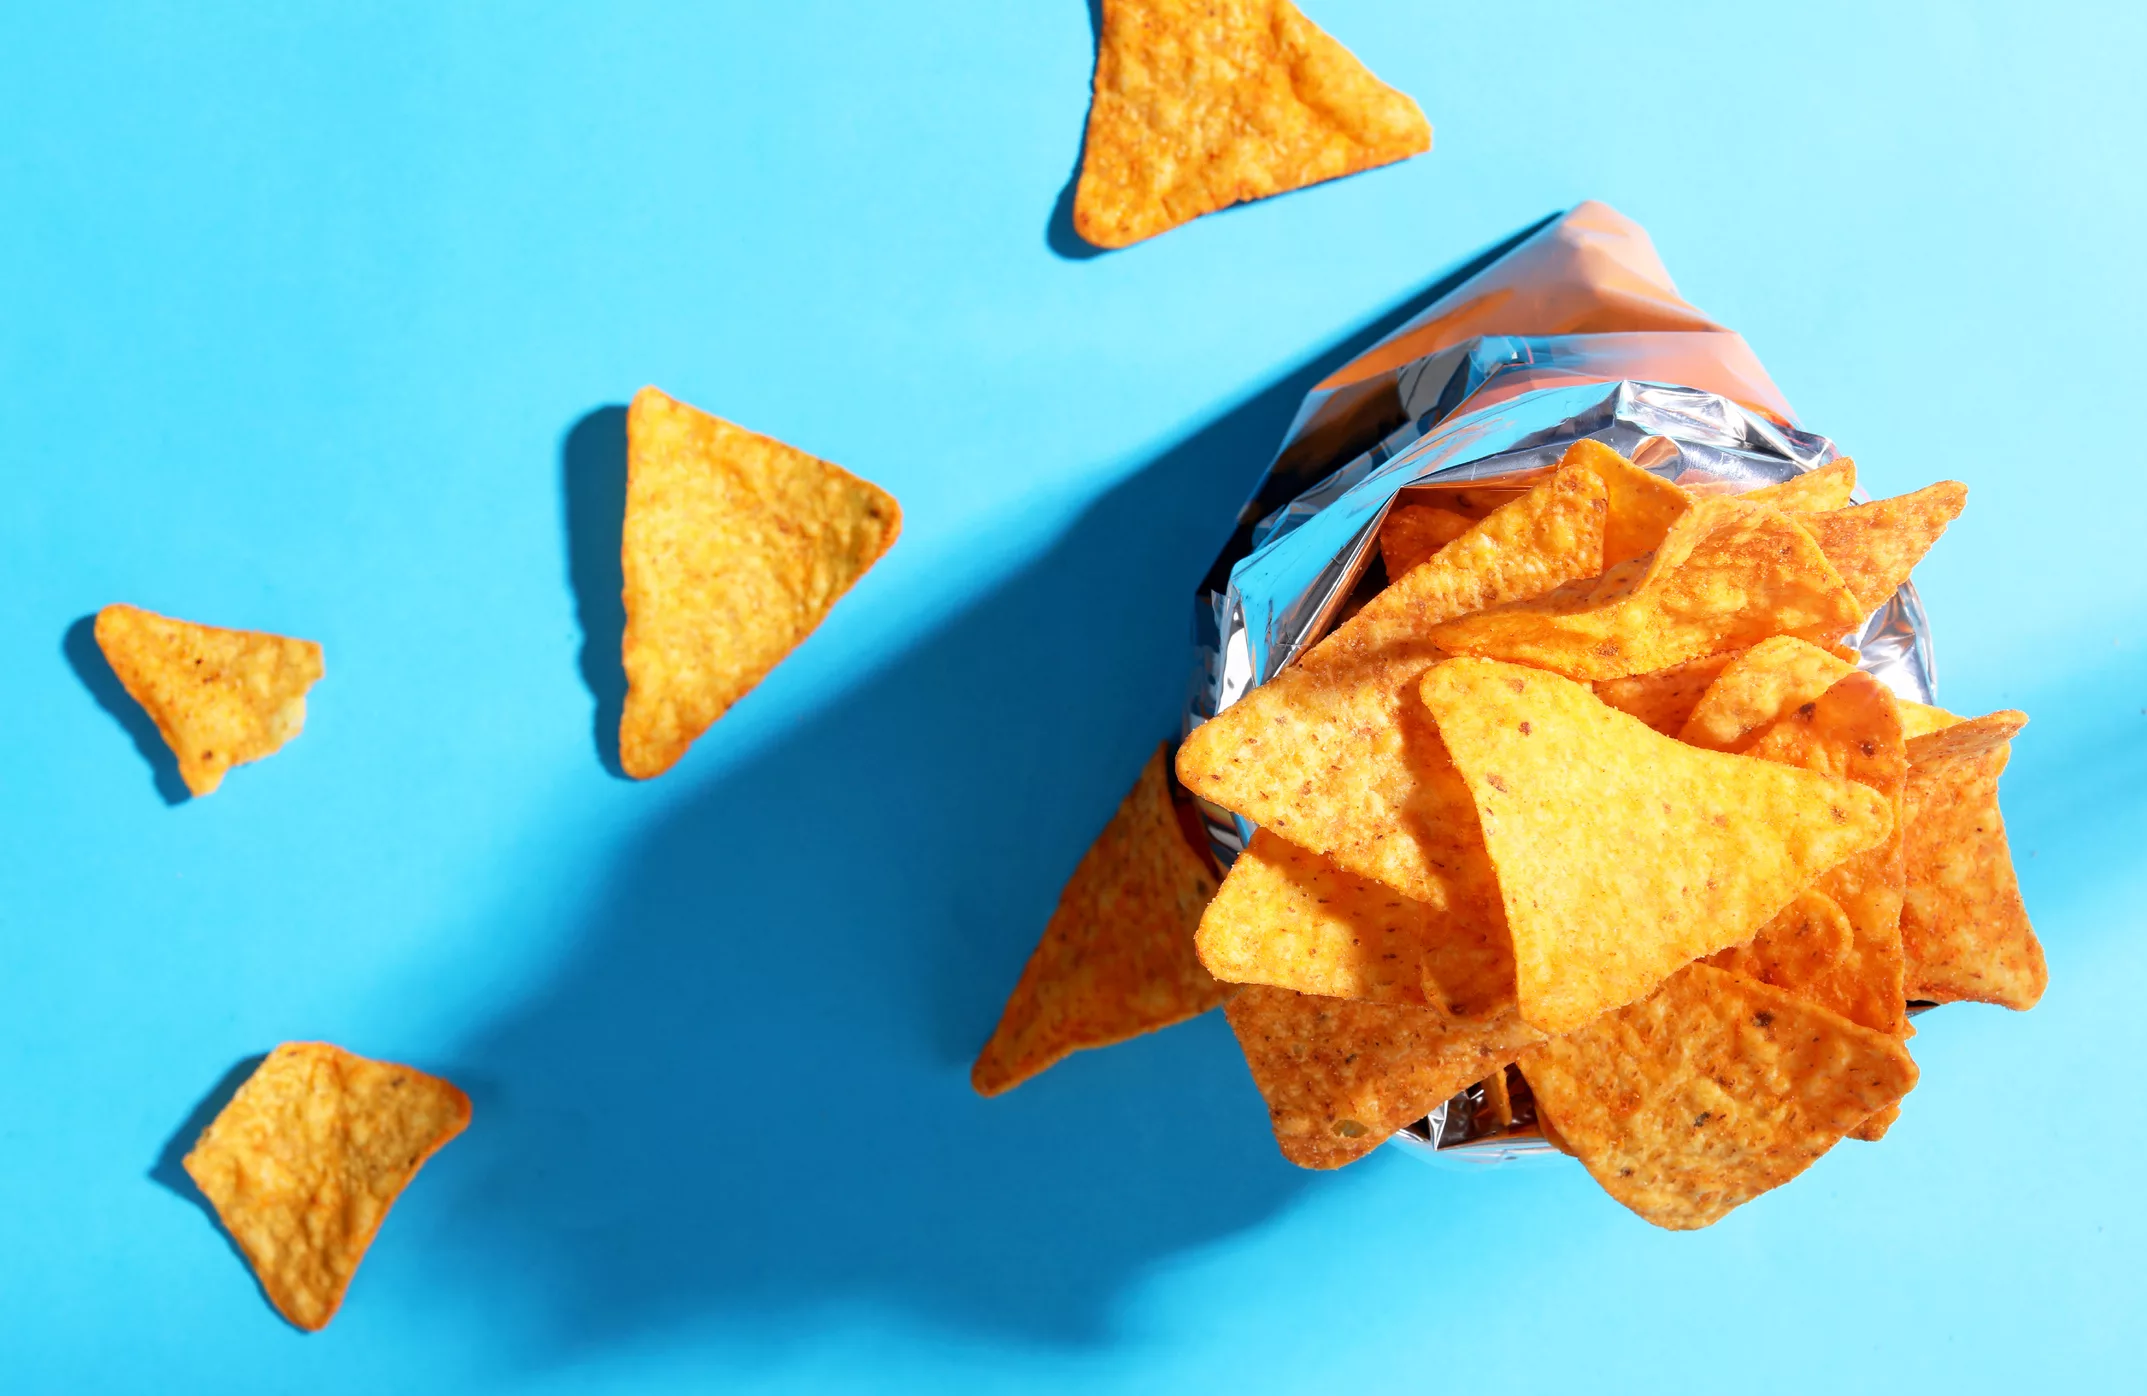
(220, 698)
(1589, 826)
(304, 1162)
(1201, 105)
(734, 549)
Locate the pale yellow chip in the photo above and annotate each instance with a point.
(1964, 927)
(735, 548)
(1814, 491)
(1875, 546)
(1340, 1076)
(1643, 507)
(1710, 1092)
(1200, 104)
(1290, 918)
(1336, 755)
(304, 1163)
(1621, 854)
(1757, 687)
(1116, 959)
(1411, 533)
(1665, 698)
(1851, 731)
(219, 698)
(1728, 575)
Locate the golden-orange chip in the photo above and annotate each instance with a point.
(1921, 719)
(1711, 1091)
(1643, 507)
(219, 698)
(1815, 491)
(1665, 698)
(735, 547)
(1728, 575)
(304, 1163)
(1334, 753)
(1411, 533)
(1772, 678)
(1290, 918)
(1340, 1076)
(1200, 104)
(1116, 959)
(1875, 546)
(1964, 927)
(1621, 854)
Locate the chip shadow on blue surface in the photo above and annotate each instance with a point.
(592, 463)
(743, 1092)
(169, 1171)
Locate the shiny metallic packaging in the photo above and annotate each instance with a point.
(1574, 332)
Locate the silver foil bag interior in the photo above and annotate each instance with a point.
(1295, 564)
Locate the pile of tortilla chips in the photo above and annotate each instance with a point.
(1590, 807)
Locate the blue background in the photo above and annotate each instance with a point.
(321, 322)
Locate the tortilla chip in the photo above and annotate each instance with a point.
(1921, 719)
(1411, 533)
(1336, 755)
(1728, 575)
(1117, 957)
(1964, 928)
(1643, 507)
(1497, 1112)
(219, 698)
(1664, 699)
(1815, 491)
(1198, 106)
(1771, 678)
(1340, 1076)
(1622, 854)
(1710, 1092)
(1876, 546)
(1852, 732)
(304, 1163)
(1290, 918)
(1873, 1129)
(735, 548)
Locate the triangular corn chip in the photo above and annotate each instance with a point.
(1728, 575)
(1335, 754)
(1290, 918)
(1815, 491)
(1411, 533)
(1772, 678)
(219, 697)
(1198, 106)
(1643, 507)
(1664, 699)
(1710, 1092)
(1621, 854)
(1340, 1076)
(1964, 928)
(304, 1163)
(1852, 731)
(1117, 957)
(1875, 546)
(735, 547)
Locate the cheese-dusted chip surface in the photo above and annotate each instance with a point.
(219, 697)
(1290, 918)
(1710, 1092)
(1340, 1076)
(1728, 575)
(1411, 533)
(1200, 104)
(1875, 546)
(1757, 687)
(1827, 487)
(1117, 957)
(304, 1163)
(1665, 698)
(1964, 927)
(735, 548)
(1621, 854)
